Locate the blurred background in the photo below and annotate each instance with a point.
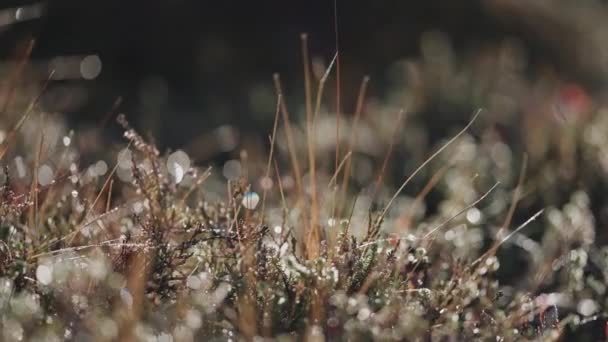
(197, 76)
(190, 66)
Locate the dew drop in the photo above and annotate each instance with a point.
(251, 200)
(474, 215)
(178, 164)
(587, 307)
(44, 274)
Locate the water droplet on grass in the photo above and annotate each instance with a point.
(178, 164)
(474, 215)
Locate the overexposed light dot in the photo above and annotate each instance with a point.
(178, 164)
(587, 307)
(278, 229)
(45, 175)
(232, 169)
(44, 274)
(90, 67)
(177, 172)
(251, 200)
(67, 141)
(474, 215)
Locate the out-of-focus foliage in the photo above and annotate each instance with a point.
(125, 242)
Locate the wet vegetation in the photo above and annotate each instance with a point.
(350, 226)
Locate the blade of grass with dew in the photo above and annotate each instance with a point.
(16, 74)
(465, 209)
(506, 238)
(312, 154)
(272, 139)
(428, 160)
(443, 223)
(409, 212)
(332, 180)
(12, 134)
(389, 153)
(295, 165)
(351, 141)
(338, 83)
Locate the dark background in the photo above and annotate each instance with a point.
(204, 58)
(208, 56)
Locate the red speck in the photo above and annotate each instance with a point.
(573, 101)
